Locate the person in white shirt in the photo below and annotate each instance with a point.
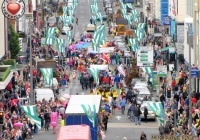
(109, 100)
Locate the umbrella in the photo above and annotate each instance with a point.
(67, 96)
(79, 46)
(62, 99)
(71, 47)
(18, 124)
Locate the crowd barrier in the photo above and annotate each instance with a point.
(170, 137)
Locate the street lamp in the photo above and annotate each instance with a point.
(32, 96)
(189, 22)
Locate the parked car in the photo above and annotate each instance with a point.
(141, 96)
(151, 114)
(90, 28)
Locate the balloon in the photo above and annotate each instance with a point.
(102, 133)
(103, 136)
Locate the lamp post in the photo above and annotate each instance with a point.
(189, 22)
(32, 96)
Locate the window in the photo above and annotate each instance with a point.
(190, 7)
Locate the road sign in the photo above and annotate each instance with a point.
(145, 56)
(162, 70)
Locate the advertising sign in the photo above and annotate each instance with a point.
(173, 8)
(164, 10)
(162, 70)
(145, 56)
(194, 73)
(155, 79)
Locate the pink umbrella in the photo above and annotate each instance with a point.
(80, 42)
(18, 124)
(71, 47)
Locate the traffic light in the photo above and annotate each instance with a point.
(35, 97)
(1, 117)
(168, 92)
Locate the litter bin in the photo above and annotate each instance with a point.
(157, 90)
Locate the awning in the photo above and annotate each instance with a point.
(17, 67)
(165, 48)
(3, 84)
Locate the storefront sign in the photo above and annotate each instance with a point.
(173, 8)
(21, 43)
(47, 64)
(164, 11)
(145, 56)
(194, 73)
(162, 70)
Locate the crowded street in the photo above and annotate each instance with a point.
(98, 70)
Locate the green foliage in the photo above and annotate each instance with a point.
(14, 43)
(9, 62)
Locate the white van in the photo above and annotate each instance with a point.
(43, 93)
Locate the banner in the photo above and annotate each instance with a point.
(48, 75)
(91, 113)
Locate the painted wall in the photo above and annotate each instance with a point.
(2, 35)
(180, 11)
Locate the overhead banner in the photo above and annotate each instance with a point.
(173, 8)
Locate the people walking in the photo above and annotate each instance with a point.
(76, 21)
(63, 82)
(143, 136)
(145, 113)
(137, 113)
(123, 105)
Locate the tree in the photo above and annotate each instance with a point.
(14, 43)
(132, 74)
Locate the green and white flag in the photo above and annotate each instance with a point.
(94, 19)
(60, 43)
(99, 15)
(64, 8)
(69, 36)
(129, 5)
(95, 45)
(124, 12)
(122, 5)
(70, 12)
(147, 70)
(93, 8)
(50, 35)
(95, 73)
(128, 17)
(48, 75)
(31, 112)
(134, 44)
(158, 110)
(66, 19)
(135, 15)
(90, 112)
(99, 34)
(139, 32)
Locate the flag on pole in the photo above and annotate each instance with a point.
(129, 5)
(121, 70)
(95, 46)
(48, 75)
(129, 18)
(90, 113)
(134, 44)
(94, 19)
(95, 73)
(93, 8)
(99, 15)
(64, 8)
(69, 36)
(158, 110)
(31, 112)
(139, 32)
(124, 12)
(50, 36)
(135, 15)
(105, 58)
(60, 43)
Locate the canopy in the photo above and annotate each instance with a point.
(102, 50)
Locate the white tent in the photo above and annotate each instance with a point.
(101, 67)
(102, 50)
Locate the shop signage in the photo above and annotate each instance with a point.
(145, 56)
(164, 11)
(162, 70)
(194, 73)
